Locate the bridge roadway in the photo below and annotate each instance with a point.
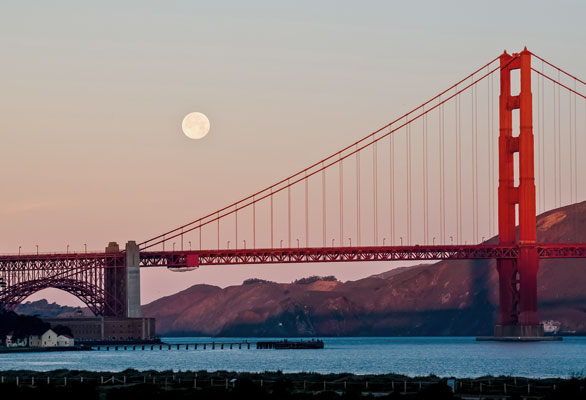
(195, 258)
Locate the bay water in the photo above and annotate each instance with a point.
(420, 356)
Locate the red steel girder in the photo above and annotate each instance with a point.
(63, 264)
(178, 259)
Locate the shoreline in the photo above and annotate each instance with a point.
(17, 350)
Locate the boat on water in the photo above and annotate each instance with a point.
(291, 344)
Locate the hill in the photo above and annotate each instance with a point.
(44, 309)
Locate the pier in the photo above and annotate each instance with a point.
(278, 345)
(175, 346)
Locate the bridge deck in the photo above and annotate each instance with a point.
(195, 258)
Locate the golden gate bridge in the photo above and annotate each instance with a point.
(418, 188)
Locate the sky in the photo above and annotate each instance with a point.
(92, 96)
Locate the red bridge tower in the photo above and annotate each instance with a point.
(517, 278)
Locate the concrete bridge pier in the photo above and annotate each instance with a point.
(122, 281)
(133, 280)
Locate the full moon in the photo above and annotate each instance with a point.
(195, 125)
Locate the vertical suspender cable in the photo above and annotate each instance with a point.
(272, 224)
(441, 175)
(559, 140)
(253, 222)
(375, 190)
(289, 212)
(341, 200)
(575, 149)
(458, 167)
(408, 159)
(542, 138)
(391, 188)
(555, 146)
(571, 149)
(218, 220)
(323, 189)
(306, 210)
(540, 205)
(236, 226)
(489, 148)
(542, 188)
(357, 197)
(476, 158)
(425, 183)
(540, 131)
(472, 167)
(536, 129)
(458, 173)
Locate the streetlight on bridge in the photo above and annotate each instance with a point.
(19, 247)
(384, 240)
(228, 244)
(401, 238)
(451, 240)
(350, 239)
(85, 246)
(189, 245)
(67, 249)
(244, 240)
(37, 249)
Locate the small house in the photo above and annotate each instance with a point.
(65, 341)
(47, 339)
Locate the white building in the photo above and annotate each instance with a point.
(47, 339)
(65, 341)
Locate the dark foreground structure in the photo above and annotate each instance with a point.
(64, 384)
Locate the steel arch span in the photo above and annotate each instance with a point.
(92, 296)
(98, 280)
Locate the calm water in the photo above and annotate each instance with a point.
(460, 357)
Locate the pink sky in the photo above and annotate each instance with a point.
(92, 103)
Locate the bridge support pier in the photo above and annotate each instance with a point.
(132, 280)
(122, 281)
